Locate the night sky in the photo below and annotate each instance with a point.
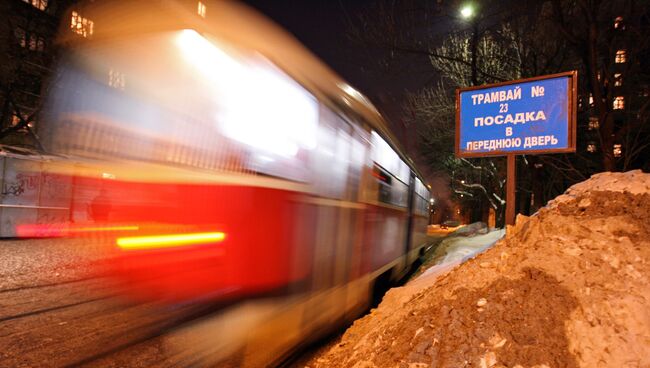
(321, 26)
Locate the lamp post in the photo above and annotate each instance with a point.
(469, 13)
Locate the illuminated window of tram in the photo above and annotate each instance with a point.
(80, 25)
(200, 9)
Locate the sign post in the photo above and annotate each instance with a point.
(511, 180)
(526, 116)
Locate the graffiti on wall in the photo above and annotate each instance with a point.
(23, 182)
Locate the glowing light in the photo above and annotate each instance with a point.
(168, 241)
(467, 11)
(260, 105)
(47, 230)
(104, 228)
(283, 120)
(204, 55)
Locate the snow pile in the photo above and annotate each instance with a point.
(634, 182)
(568, 287)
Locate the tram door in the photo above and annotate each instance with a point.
(336, 166)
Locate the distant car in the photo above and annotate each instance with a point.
(450, 223)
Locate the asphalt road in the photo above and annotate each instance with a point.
(58, 309)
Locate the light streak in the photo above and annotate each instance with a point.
(169, 241)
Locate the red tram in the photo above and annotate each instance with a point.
(224, 160)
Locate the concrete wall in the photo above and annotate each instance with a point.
(33, 192)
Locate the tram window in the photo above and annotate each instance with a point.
(386, 157)
(332, 156)
(381, 175)
(384, 180)
(390, 190)
(235, 112)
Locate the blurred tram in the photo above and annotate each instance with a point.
(223, 161)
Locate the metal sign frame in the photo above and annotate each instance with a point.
(572, 93)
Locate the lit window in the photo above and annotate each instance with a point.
(36, 43)
(21, 36)
(621, 57)
(32, 41)
(201, 9)
(618, 79)
(618, 150)
(591, 147)
(591, 100)
(619, 103)
(116, 79)
(618, 23)
(39, 4)
(29, 40)
(80, 25)
(593, 123)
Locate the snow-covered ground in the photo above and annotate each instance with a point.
(457, 249)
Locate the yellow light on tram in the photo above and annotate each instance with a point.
(169, 241)
(103, 228)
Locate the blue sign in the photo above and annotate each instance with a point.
(535, 115)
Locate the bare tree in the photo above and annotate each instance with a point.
(512, 40)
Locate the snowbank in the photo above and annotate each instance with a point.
(568, 287)
(460, 248)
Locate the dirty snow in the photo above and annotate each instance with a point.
(567, 287)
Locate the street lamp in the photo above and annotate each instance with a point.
(467, 11)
